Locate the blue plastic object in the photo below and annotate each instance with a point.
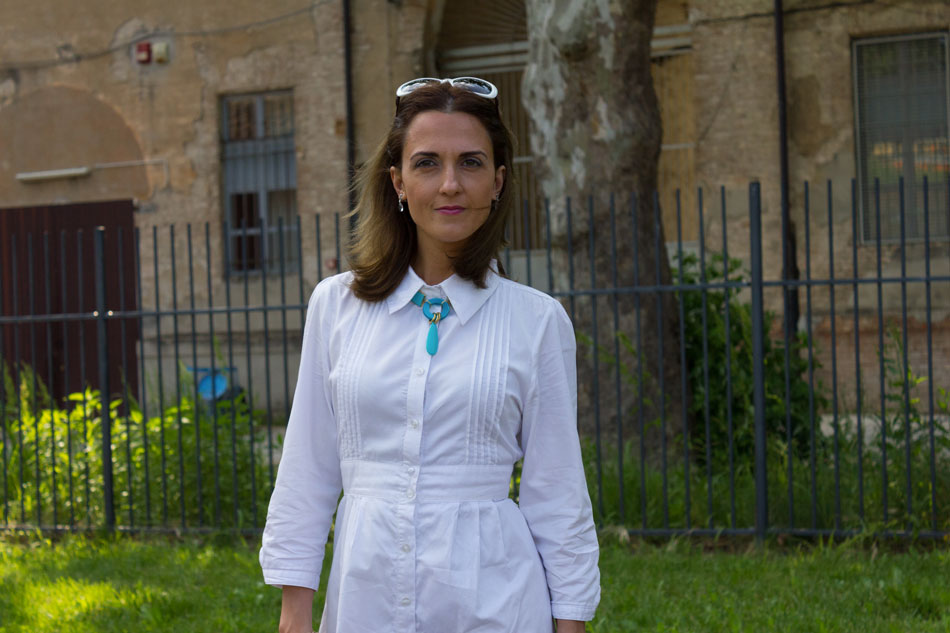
(213, 385)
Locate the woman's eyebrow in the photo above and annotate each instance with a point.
(428, 154)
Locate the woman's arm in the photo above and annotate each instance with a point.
(553, 494)
(308, 478)
(296, 610)
(570, 626)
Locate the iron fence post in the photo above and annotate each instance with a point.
(758, 387)
(104, 390)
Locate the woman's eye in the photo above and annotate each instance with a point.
(472, 162)
(425, 162)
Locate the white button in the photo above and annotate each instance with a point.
(411, 470)
(410, 493)
(406, 547)
(420, 371)
(406, 602)
(414, 423)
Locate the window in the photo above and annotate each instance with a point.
(259, 182)
(900, 87)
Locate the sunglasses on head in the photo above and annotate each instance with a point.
(473, 84)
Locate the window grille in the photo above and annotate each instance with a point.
(259, 182)
(901, 119)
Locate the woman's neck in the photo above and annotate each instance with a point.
(433, 270)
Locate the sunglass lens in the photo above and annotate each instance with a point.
(409, 86)
(478, 87)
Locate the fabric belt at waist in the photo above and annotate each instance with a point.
(438, 482)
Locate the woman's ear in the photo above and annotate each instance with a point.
(499, 180)
(395, 174)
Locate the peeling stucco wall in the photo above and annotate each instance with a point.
(737, 117)
(77, 60)
(172, 110)
(737, 123)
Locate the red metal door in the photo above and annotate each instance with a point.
(48, 294)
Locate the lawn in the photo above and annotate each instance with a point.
(147, 585)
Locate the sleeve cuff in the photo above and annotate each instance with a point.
(291, 578)
(569, 611)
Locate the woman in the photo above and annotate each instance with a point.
(424, 376)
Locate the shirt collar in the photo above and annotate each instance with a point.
(466, 298)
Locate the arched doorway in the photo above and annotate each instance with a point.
(70, 165)
(490, 40)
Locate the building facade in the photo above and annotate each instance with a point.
(867, 103)
(233, 118)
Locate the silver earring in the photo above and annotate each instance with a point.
(402, 208)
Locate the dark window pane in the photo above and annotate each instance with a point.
(281, 229)
(278, 114)
(241, 119)
(245, 232)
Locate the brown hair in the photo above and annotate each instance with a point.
(384, 241)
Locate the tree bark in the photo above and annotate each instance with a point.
(596, 135)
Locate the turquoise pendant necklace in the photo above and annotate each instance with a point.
(432, 340)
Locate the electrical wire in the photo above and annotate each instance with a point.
(76, 57)
(840, 4)
(720, 101)
(907, 9)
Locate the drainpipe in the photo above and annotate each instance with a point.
(348, 81)
(789, 255)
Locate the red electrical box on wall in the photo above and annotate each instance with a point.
(143, 52)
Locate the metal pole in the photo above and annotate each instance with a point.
(789, 254)
(350, 115)
(758, 387)
(104, 390)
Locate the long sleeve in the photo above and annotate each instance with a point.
(553, 494)
(308, 479)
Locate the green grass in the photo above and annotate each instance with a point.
(681, 588)
(189, 585)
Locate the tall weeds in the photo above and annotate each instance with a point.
(891, 473)
(194, 464)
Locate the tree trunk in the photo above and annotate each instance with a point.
(596, 136)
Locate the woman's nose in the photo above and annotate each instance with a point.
(450, 183)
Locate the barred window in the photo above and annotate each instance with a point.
(901, 120)
(259, 182)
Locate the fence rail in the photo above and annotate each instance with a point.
(701, 411)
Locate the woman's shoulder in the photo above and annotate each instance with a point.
(332, 289)
(339, 280)
(533, 302)
(520, 292)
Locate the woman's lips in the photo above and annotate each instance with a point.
(450, 210)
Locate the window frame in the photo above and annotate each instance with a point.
(866, 206)
(259, 148)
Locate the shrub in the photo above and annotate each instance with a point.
(814, 481)
(192, 465)
(785, 418)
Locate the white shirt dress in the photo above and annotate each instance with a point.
(426, 539)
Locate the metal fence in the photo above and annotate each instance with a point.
(701, 409)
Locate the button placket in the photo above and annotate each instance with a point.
(415, 400)
(405, 578)
(412, 443)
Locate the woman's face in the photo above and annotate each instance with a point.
(447, 178)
